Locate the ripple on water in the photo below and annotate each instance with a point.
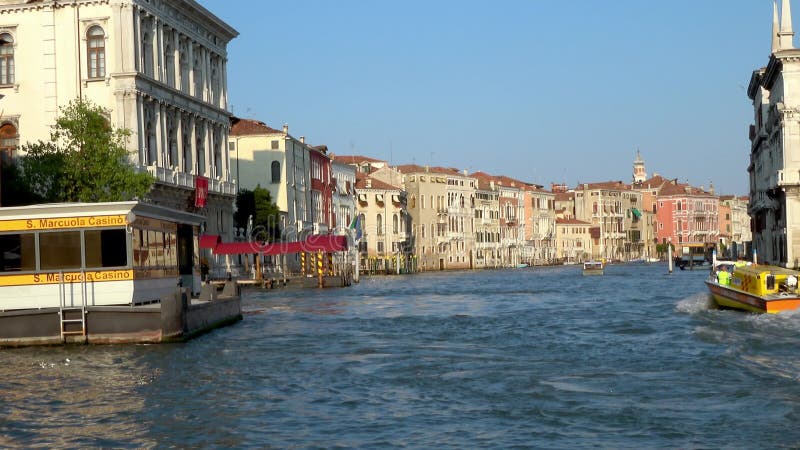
(540, 357)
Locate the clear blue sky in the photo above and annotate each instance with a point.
(542, 91)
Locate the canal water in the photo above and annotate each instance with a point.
(536, 357)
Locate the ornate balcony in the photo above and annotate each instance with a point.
(186, 180)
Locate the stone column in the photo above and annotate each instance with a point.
(158, 51)
(189, 118)
(190, 63)
(179, 140)
(161, 131)
(140, 126)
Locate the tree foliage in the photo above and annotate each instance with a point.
(15, 188)
(258, 204)
(664, 247)
(85, 160)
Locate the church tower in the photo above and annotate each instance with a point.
(639, 172)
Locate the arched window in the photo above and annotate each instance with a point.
(395, 224)
(276, 172)
(379, 224)
(6, 59)
(8, 141)
(96, 52)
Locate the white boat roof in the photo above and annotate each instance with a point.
(52, 210)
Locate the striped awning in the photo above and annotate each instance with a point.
(314, 243)
(209, 240)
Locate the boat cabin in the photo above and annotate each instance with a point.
(593, 265)
(763, 280)
(95, 254)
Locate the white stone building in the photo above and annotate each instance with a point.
(775, 148)
(158, 66)
(344, 203)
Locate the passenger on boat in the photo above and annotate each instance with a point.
(724, 277)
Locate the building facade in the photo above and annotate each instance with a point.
(613, 207)
(740, 234)
(487, 223)
(283, 164)
(573, 241)
(384, 246)
(774, 167)
(539, 226)
(687, 215)
(343, 205)
(441, 203)
(160, 68)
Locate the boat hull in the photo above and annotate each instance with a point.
(587, 272)
(729, 297)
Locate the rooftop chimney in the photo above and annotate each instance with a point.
(302, 139)
(368, 183)
(285, 128)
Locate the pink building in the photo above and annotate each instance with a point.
(686, 215)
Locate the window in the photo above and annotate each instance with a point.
(96, 52)
(17, 252)
(105, 248)
(274, 145)
(63, 250)
(276, 172)
(395, 224)
(380, 246)
(8, 141)
(379, 221)
(6, 59)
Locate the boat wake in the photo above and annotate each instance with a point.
(695, 304)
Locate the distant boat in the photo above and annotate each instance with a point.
(593, 267)
(521, 266)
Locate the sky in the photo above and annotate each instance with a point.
(541, 91)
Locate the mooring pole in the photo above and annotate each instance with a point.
(669, 257)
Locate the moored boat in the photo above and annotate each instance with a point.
(593, 267)
(760, 289)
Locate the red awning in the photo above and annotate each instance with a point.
(316, 243)
(325, 243)
(209, 241)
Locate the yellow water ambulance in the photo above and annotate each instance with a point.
(761, 289)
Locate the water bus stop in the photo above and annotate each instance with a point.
(105, 273)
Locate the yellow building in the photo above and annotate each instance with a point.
(441, 203)
(573, 241)
(384, 246)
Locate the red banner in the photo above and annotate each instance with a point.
(200, 191)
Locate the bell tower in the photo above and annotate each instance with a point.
(639, 172)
